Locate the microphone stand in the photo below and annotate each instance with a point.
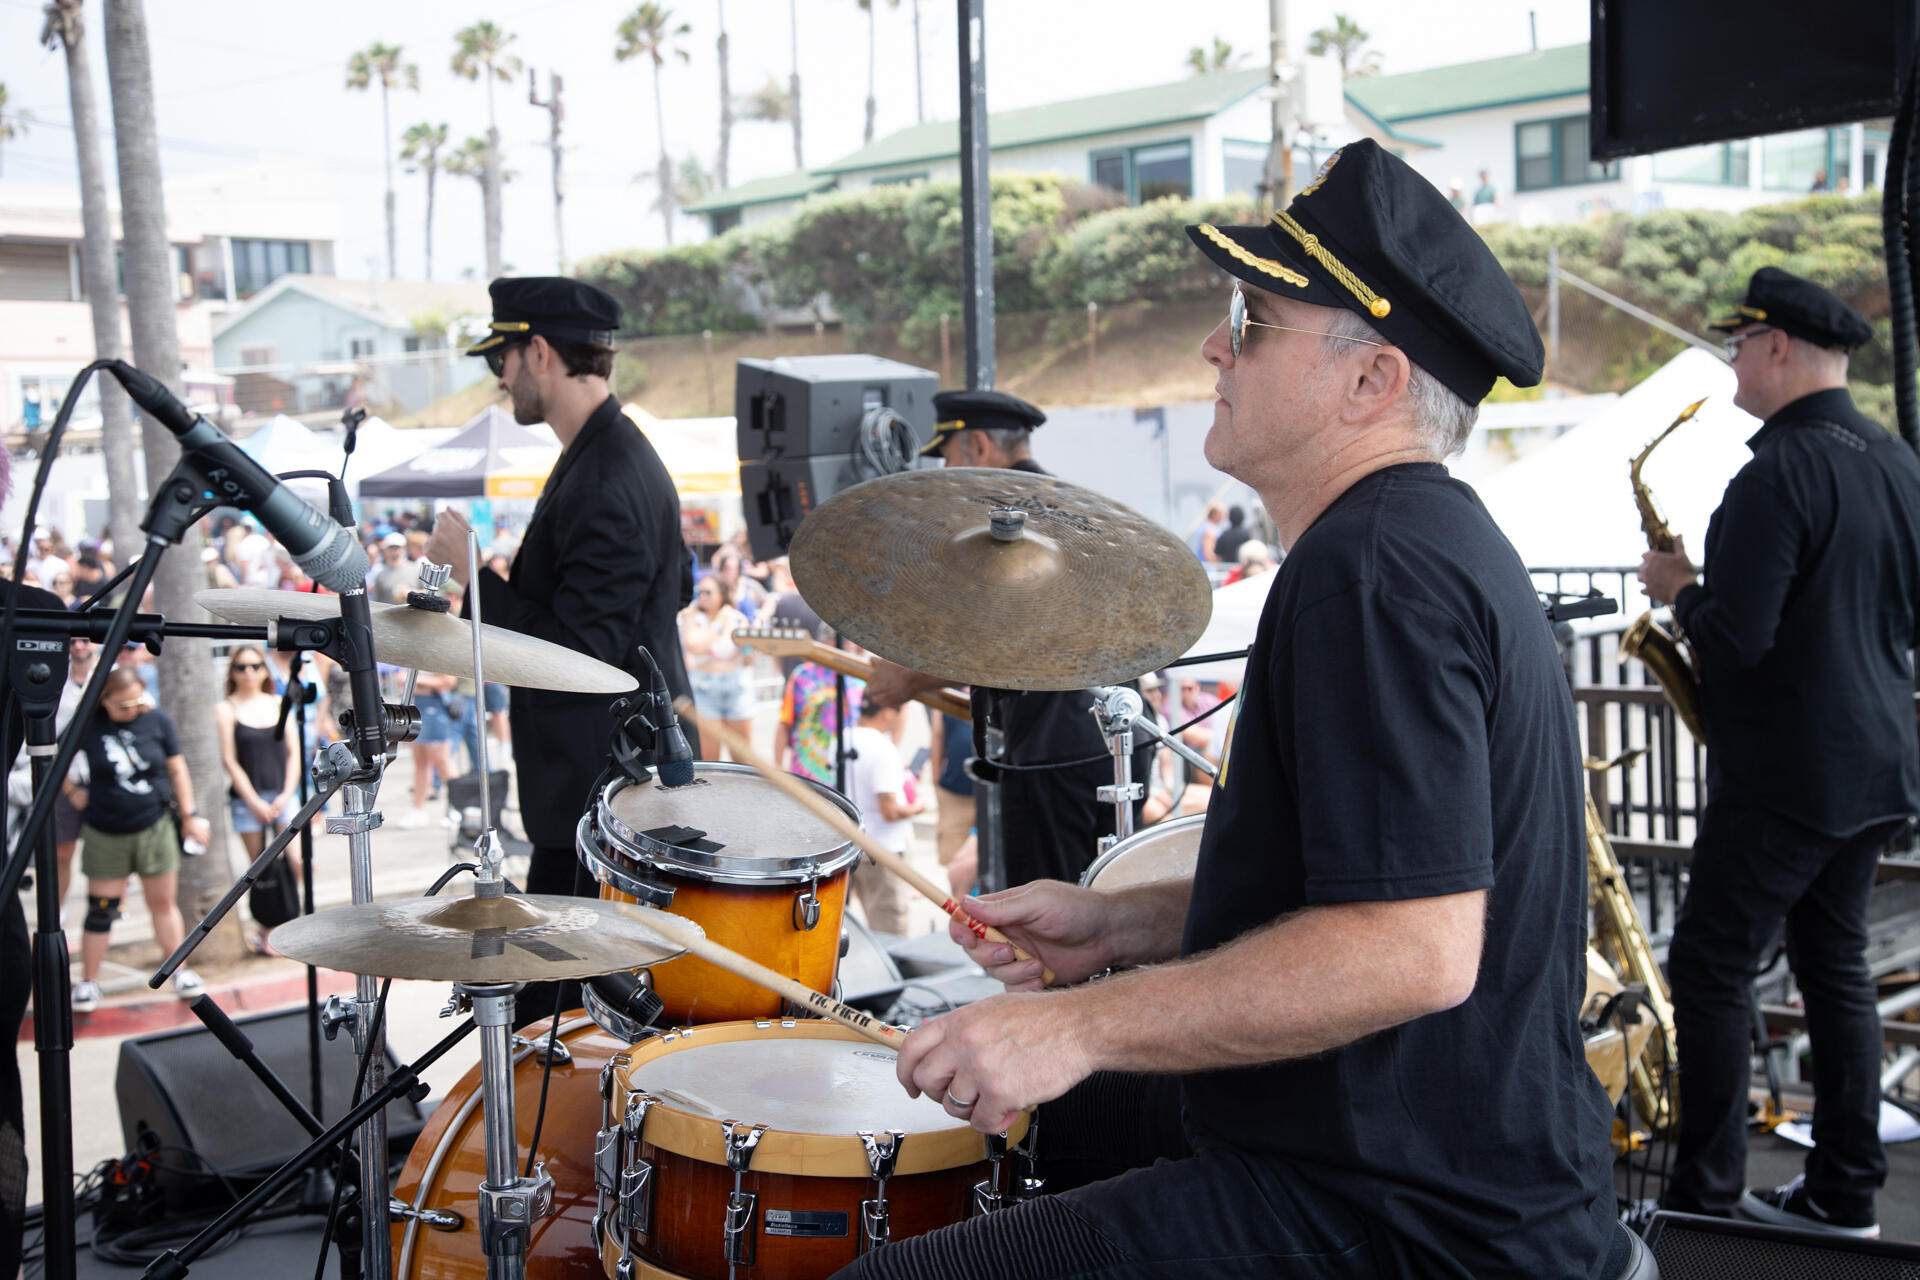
(295, 701)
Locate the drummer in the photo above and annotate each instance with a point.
(601, 570)
(1364, 1004)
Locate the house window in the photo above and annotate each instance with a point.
(1243, 167)
(266, 354)
(1147, 173)
(358, 347)
(1722, 163)
(1799, 161)
(723, 220)
(258, 263)
(1554, 153)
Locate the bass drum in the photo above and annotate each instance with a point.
(1164, 851)
(449, 1161)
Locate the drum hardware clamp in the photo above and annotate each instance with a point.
(988, 1195)
(881, 1158)
(337, 1014)
(537, 1045)
(737, 1231)
(1116, 707)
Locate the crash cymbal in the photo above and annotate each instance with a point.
(407, 637)
(533, 938)
(1080, 591)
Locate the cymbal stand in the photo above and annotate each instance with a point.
(1147, 725)
(509, 1203)
(1115, 708)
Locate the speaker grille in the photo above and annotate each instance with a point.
(1687, 1253)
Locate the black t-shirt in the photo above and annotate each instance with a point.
(1805, 622)
(1406, 731)
(128, 790)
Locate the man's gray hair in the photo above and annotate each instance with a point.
(1007, 439)
(1442, 418)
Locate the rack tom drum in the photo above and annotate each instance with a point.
(1164, 851)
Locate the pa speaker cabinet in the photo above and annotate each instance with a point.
(1689, 1247)
(799, 405)
(186, 1090)
(777, 494)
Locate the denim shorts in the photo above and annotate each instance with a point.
(244, 823)
(436, 724)
(723, 695)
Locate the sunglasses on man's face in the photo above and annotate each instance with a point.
(497, 359)
(1238, 324)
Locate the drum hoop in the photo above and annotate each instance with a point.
(724, 868)
(1135, 841)
(429, 1173)
(818, 1155)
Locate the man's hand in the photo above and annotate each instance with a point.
(1664, 574)
(1064, 927)
(448, 543)
(988, 1062)
(893, 685)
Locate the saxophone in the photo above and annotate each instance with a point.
(1620, 937)
(1662, 651)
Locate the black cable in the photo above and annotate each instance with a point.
(546, 1074)
(1901, 155)
(1103, 757)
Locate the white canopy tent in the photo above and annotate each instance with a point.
(1570, 504)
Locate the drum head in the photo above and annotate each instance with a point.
(1166, 851)
(794, 1085)
(729, 825)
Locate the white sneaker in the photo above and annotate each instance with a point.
(187, 984)
(86, 996)
(411, 820)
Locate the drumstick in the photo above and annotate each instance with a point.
(796, 790)
(677, 931)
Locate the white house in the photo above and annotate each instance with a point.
(306, 344)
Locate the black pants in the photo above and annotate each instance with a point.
(552, 871)
(1129, 1198)
(1751, 870)
(16, 985)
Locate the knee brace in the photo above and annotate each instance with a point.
(101, 913)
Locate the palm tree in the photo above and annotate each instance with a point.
(1222, 58)
(793, 81)
(726, 98)
(691, 183)
(480, 48)
(1345, 40)
(871, 106)
(152, 291)
(770, 103)
(65, 27)
(12, 123)
(646, 33)
(420, 147)
(380, 63)
(919, 72)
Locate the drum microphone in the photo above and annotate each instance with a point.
(672, 754)
(324, 550)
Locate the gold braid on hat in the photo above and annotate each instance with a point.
(1377, 306)
(1279, 270)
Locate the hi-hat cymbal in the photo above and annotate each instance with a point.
(407, 637)
(535, 938)
(1080, 591)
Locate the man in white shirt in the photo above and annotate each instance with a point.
(879, 787)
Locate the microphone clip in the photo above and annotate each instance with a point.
(636, 734)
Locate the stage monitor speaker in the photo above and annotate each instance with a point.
(187, 1091)
(801, 405)
(1689, 1247)
(1676, 73)
(777, 494)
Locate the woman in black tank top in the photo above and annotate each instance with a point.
(260, 765)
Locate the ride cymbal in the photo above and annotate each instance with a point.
(927, 569)
(407, 637)
(516, 938)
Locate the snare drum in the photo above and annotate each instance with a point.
(776, 1149)
(762, 875)
(1164, 851)
(449, 1162)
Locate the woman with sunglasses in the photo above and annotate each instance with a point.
(134, 769)
(260, 763)
(720, 671)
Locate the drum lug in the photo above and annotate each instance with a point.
(614, 1063)
(882, 1155)
(1028, 1184)
(873, 1223)
(608, 1150)
(623, 1270)
(635, 1214)
(738, 1231)
(883, 1152)
(741, 1139)
(806, 908)
(439, 1219)
(987, 1194)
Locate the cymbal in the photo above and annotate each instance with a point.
(407, 637)
(1082, 591)
(530, 938)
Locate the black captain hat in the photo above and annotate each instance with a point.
(1798, 307)
(1371, 235)
(551, 306)
(957, 411)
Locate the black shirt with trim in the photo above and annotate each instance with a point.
(127, 784)
(1805, 625)
(1406, 731)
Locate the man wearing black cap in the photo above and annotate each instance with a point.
(602, 568)
(1364, 1006)
(1802, 631)
(1051, 819)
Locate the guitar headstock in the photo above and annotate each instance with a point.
(779, 642)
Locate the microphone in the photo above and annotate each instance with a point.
(672, 754)
(326, 552)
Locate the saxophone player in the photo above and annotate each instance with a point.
(1803, 629)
